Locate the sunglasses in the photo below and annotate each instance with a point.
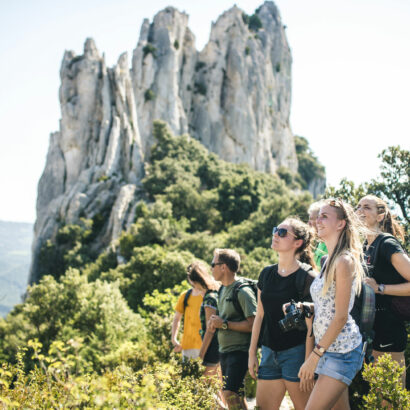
(213, 264)
(282, 232)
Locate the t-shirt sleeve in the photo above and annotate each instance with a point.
(389, 247)
(261, 279)
(179, 307)
(247, 300)
(210, 301)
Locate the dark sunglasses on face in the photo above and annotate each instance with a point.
(213, 264)
(282, 232)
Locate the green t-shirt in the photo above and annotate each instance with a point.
(320, 251)
(230, 340)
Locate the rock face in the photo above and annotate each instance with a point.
(234, 96)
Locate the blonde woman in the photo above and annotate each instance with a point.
(338, 353)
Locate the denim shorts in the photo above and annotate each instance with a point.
(341, 366)
(281, 365)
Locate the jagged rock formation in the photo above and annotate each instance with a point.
(234, 96)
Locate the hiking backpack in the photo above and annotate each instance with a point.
(240, 284)
(363, 313)
(187, 295)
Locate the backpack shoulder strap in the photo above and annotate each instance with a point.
(235, 299)
(187, 295)
(300, 280)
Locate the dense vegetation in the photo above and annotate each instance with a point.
(94, 332)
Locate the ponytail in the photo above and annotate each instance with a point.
(303, 231)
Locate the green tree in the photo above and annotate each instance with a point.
(394, 181)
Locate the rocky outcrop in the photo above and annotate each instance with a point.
(96, 154)
(234, 96)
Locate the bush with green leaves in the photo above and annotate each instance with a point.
(54, 383)
(73, 309)
(386, 389)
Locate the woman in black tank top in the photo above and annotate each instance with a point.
(390, 275)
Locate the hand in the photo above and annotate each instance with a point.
(307, 371)
(177, 348)
(215, 322)
(285, 306)
(253, 365)
(306, 385)
(372, 283)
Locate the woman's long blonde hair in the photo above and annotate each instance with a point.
(349, 243)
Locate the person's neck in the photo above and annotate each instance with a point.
(287, 263)
(374, 232)
(331, 244)
(228, 279)
(197, 292)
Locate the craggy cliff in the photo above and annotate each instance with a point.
(234, 97)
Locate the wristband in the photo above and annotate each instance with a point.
(316, 353)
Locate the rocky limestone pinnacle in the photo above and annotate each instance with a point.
(234, 96)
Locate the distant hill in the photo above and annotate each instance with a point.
(15, 252)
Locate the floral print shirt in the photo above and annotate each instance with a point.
(349, 337)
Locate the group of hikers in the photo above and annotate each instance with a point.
(300, 309)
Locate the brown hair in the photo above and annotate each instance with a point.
(389, 223)
(230, 258)
(198, 272)
(306, 233)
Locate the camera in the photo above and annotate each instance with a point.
(295, 317)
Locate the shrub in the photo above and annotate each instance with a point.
(200, 88)
(149, 95)
(149, 49)
(386, 390)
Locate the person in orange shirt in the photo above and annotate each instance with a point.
(191, 339)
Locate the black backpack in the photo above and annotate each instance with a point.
(240, 284)
(363, 313)
(187, 295)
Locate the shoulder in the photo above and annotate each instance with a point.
(390, 245)
(246, 293)
(266, 270)
(344, 264)
(211, 295)
(182, 295)
(307, 270)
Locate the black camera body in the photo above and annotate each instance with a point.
(295, 317)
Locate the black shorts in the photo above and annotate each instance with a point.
(390, 332)
(234, 366)
(212, 354)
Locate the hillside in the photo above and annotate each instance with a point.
(15, 250)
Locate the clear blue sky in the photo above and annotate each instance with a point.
(351, 82)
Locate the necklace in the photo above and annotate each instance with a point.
(285, 270)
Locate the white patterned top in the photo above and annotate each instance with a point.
(349, 337)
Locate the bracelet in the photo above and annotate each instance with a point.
(316, 353)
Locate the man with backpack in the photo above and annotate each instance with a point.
(234, 325)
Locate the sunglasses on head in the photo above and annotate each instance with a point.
(282, 232)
